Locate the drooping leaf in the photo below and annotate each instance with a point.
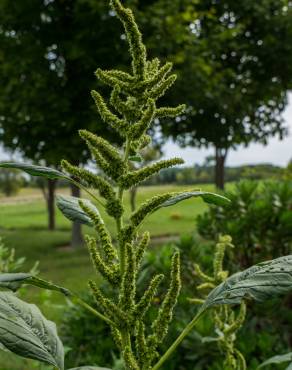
(208, 197)
(259, 282)
(277, 360)
(33, 170)
(70, 208)
(26, 332)
(216, 199)
(14, 281)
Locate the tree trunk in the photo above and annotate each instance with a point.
(50, 197)
(76, 234)
(133, 193)
(220, 155)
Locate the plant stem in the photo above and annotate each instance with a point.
(126, 339)
(87, 191)
(79, 301)
(178, 340)
(120, 220)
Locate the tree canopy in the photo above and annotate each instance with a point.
(234, 65)
(233, 62)
(49, 52)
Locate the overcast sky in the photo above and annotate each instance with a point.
(276, 152)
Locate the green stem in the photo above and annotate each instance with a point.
(178, 340)
(79, 301)
(126, 340)
(120, 197)
(87, 191)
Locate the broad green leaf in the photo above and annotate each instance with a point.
(211, 198)
(33, 170)
(90, 368)
(14, 281)
(277, 360)
(26, 332)
(70, 208)
(258, 282)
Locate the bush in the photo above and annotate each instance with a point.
(259, 220)
(10, 181)
(89, 338)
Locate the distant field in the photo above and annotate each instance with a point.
(23, 225)
(23, 222)
(28, 210)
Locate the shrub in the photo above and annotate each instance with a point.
(259, 220)
(87, 337)
(10, 181)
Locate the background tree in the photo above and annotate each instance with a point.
(10, 181)
(47, 59)
(234, 66)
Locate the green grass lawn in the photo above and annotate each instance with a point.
(23, 222)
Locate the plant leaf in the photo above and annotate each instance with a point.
(208, 197)
(14, 281)
(70, 208)
(258, 282)
(216, 199)
(33, 170)
(277, 360)
(25, 331)
(135, 158)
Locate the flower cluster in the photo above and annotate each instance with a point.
(131, 110)
(227, 323)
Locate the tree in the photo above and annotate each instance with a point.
(47, 60)
(234, 66)
(10, 181)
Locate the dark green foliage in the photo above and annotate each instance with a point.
(48, 90)
(259, 220)
(89, 338)
(234, 86)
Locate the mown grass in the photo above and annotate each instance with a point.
(23, 223)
